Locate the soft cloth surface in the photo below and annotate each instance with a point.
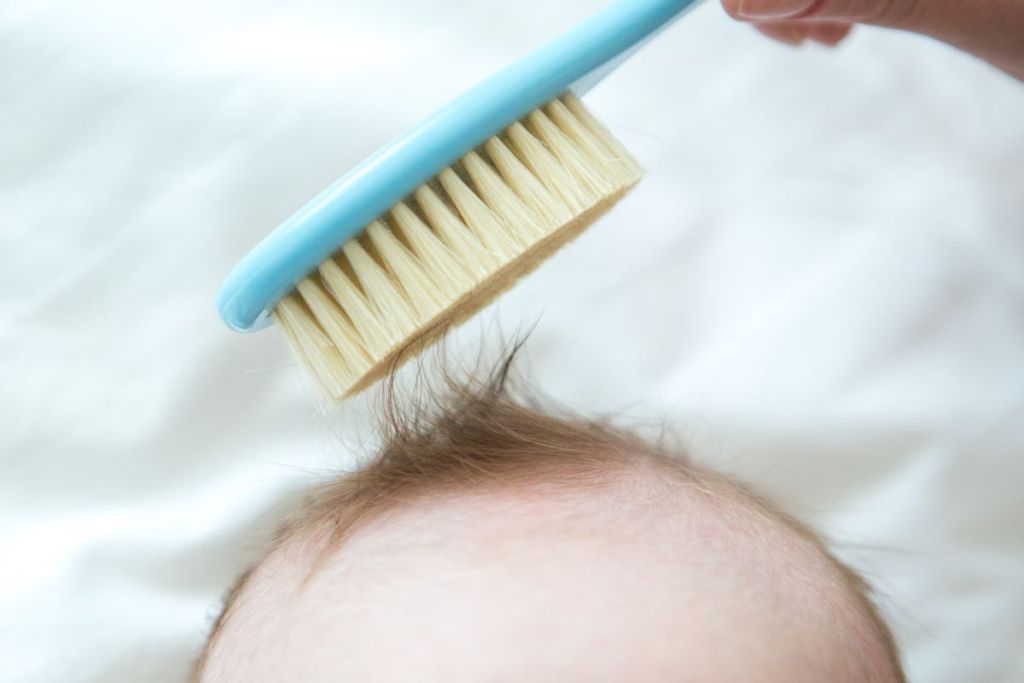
(820, 285)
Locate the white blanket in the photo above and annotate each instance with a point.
(820, 285)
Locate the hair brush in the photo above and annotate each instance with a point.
(450, 214)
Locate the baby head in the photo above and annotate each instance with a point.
(493, 541)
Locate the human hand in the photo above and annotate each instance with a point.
(990, 29)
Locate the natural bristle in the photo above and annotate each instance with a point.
(455, 244)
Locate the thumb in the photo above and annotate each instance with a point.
(990, 29)
(895, 13)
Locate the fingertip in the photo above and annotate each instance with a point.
(829, 34)
(788, 34)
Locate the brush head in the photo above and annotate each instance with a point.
(397, 250)
(573, 62)
(455, 244)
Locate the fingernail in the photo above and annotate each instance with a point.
(793, 41)
(772, 9)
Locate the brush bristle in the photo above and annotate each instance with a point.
(454, 245)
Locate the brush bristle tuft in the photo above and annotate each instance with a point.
(454, 245)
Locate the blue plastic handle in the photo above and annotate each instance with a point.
(574, 61)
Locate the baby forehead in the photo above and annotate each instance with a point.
(650, 512)
(647, 546)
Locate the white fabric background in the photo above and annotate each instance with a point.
(820, 284)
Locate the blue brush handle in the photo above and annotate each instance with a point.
(575, 61)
